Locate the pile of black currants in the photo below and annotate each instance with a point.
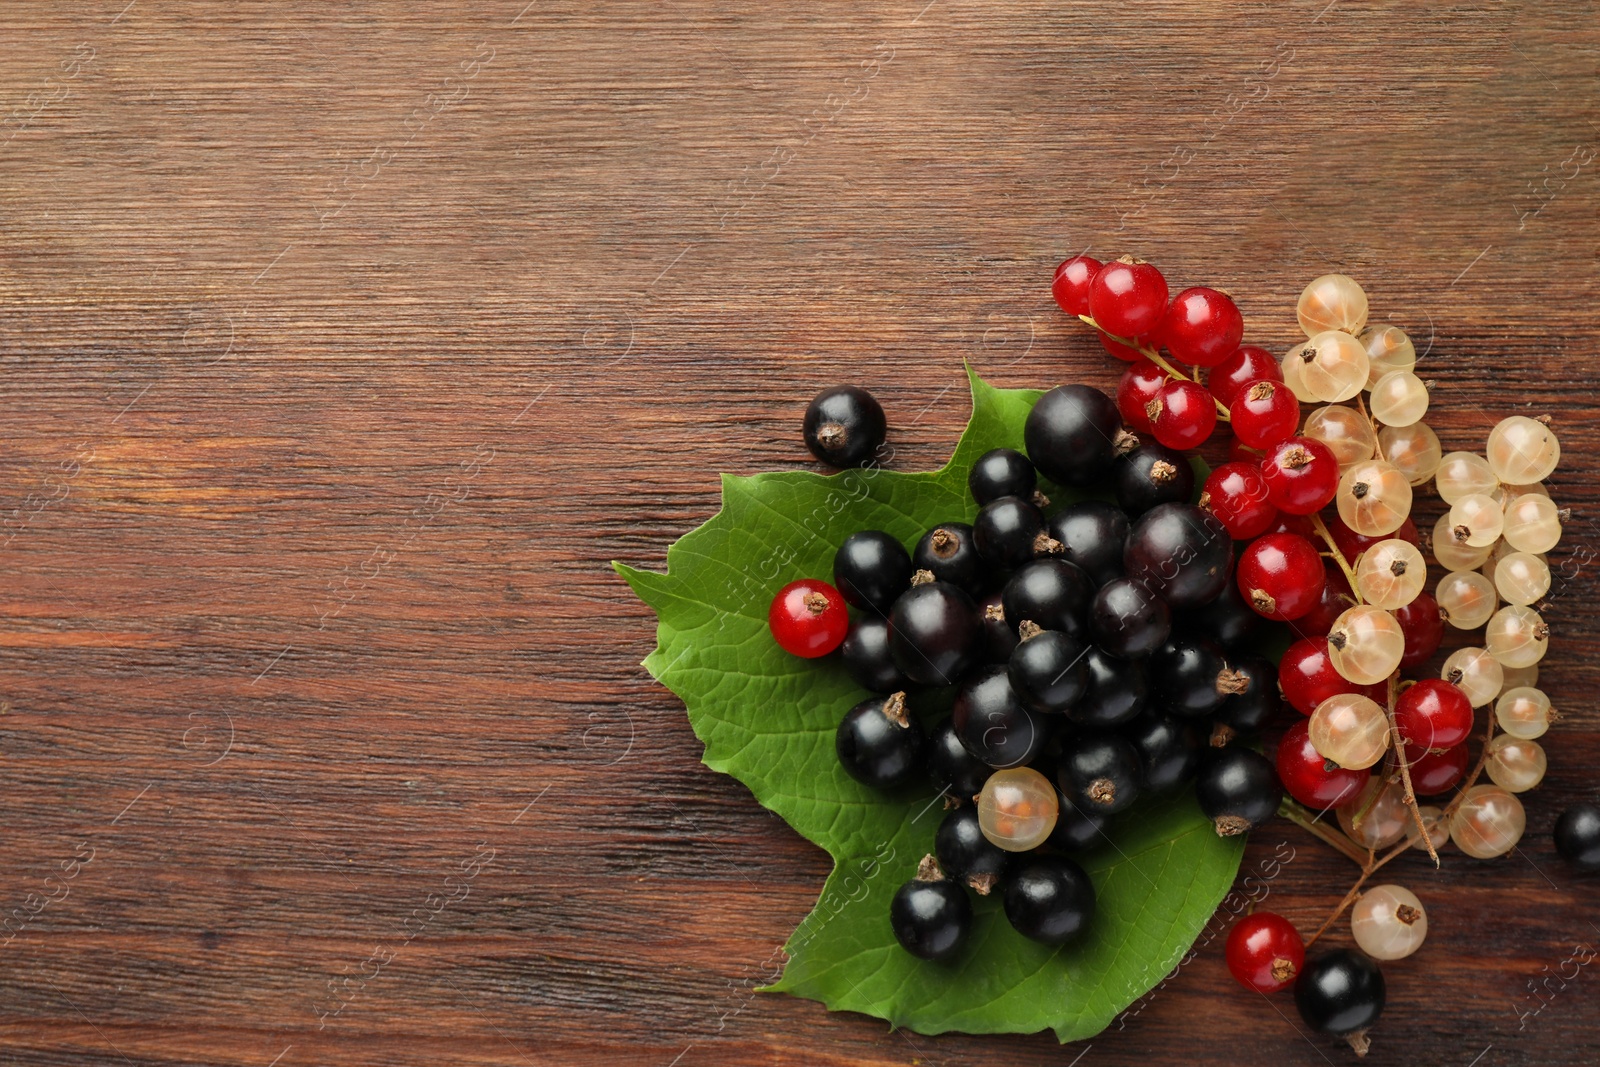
(1046, 667)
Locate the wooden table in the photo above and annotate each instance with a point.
(345, 344)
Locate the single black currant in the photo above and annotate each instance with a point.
(993, 724)
(1009, 532)
(1116, 692)
(1094, 535)
(965, 854)
(1100, 771)
(1049, 899)
(1001, 472)
(1128, 619)
(1238, 789)
(1047, 670)
(867, 657)
(1071, 434)
(1189, 675)
(1225, 619)
(1050, 593)
(957, 772)
(871, 569)
(1251, 683)
(844, 426)
(1152, 474)
(879, 743)
(1340, 992)
(1181, 551)
(1000, 636)
(930, 915)
(947, 553)
(934, 633)
(1577, 835)
(1169, 748)
(1076, 830)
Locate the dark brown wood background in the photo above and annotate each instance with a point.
(343, 345)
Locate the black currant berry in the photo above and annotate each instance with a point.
(1168, 747)
(1577, 835)
(1251, 683)
(1050, 593)
(1126, 619)
(1076, 830)
(871, 569)
(1047, 671)
(999, 635)
(1152, 474)
(1001, 472)
(965, 854)
(947, 553)
(1071, 434)
(1340, 992)
(993, 724)
(1189, 675)
(879, 743)
(956, 772)
(1093, 535)
(930, 915)
(1009, 532)
(1238, 789)
(844, 426)
(1116, 691)
(1049, 899)
(1225, 619)
(1181, 552)
(867, 657)
(934, 633)
(1100, 771)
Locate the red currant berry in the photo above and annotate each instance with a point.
(1237, 495)
(1307, 678)
(1295, 524)
(1265, 951)
(1202, 327)
(1140, 384)
(1302, 475)
(1280, 576)
(808, 618)
(1128, 297)
(1433, 713)
(1433, 773)
(1352, 544)
(1071, 284)
(1183, 416)
(1126, 353)
(1423, 627)
(1248, 363)
(1317, 783)
(1336, 597)
(1264, 413)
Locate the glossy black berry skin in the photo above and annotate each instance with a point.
(1339, 992)
(947, 552)
(1248, 711)
(1049, 899)
(866, 656)
(844, 426)
(1182, 552)
(965, 854)
(993, 724)
(1186, 675)
(1225, 619)
(1169, 748)
(1101, 772)
(1000, 637)
(1129, 620)
(1001, 472)
(1076, 830)
(1117, 690)
(876, 749)
(931, 919)
(1093, 535)
(1152, 474)
(871, 569)
(934, 633)
(951, 767)
(1071, 434)
(1050, 593)
(1577, 834)
(1238, 789)
(1047, 671)
(1006, 530)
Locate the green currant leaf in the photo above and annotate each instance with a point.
(768, 719)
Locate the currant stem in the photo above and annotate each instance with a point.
(1155, 357)
(1368, 869)
(1303, 818)
(1410, 796)
(1471, 779)
(1337, 556)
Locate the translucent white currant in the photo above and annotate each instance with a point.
(1335, 366)
(1525, 712)
(1292, 367)
(1461, 474)
(1378, 817)
(1017, 809)
(1515, 764)
(1488, 823)
(1522, 450)
(1365, 644)
(1449, 554)
(1476, 520)
(1467, 599)
(1391, 573)
(1412, 450)
(1351, 730)
(1532, 524)
(1388, 349)
(1516, 636)
(1332, 302)
(1347, 434)
(1388, 922)
(1399, 399)
(1521, 578)
(1373, 498)
(1475, 672)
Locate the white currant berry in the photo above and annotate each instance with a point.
(1516, 636)
(1412, 450)
(1522, 450)
(1475, 673)
(1391, 573)
(1488, 823)
(1335, 366)
(1524, 711)
(1515, 764)
(1373, 498)
(1332, 302)
(1365, 644)
(1351, 730)
(1520, 578)
(1388, 922)
(1399, 399)
(1388, 349)
(1532, 524)
(1453, 555)
(1378, 816)
(1462, 474)
(1467, 599)
(1017, 808)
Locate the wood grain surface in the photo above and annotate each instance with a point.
(343, 345)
